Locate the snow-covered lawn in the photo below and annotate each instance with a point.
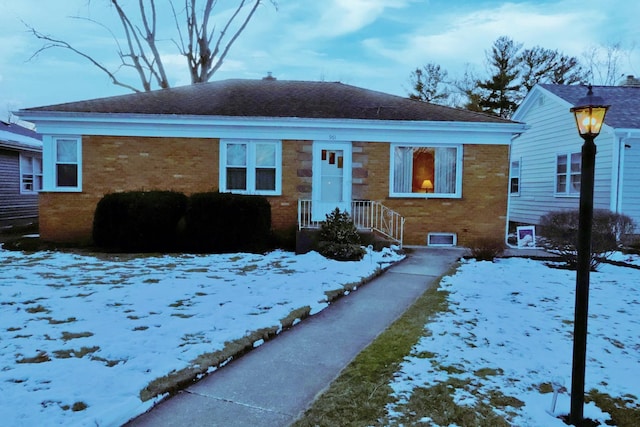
(81, 335)
(508, 337)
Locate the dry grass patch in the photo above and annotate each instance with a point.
(358, 397)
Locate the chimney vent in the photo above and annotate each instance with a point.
(269, 77)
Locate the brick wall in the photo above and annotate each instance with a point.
(112, 164)
(481, 212)
(115, 164)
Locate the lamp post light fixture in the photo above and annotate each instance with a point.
(589, 114)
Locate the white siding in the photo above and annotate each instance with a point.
(630, 194)
(552, 131)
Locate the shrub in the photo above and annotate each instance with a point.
(560, 232)
(339, 238)
(139, 221)
(223, 222)
(486, 248)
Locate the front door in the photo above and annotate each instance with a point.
(331, 178)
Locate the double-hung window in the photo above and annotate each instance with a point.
(568, 170)
(30, 173)
(251, 166)
(514, 177)
(426, 171)
(67, 171)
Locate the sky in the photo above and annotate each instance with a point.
(373, 44)
(124, 321)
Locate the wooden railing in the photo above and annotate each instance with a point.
(366, 215)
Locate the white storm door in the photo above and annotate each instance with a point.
(331, 178)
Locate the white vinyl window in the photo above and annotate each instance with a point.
(251, 167)
(568, 170)
(424, 171)
(30, 173)
(514, 178)
(67, 170)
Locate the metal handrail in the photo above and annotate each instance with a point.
(366, 215)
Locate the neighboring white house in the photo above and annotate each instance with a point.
(546, 159)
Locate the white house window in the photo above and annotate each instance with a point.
(423, 171)
(67, 163)
(30, 173)
(251, 167)
(514, 177)
(568, 170)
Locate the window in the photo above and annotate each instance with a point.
(568, 169)
(30, 173)
(251, 167)
(67, 163)
(442, 239)
(419, 171)
(514, 177)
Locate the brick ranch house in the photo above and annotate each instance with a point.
(307, 146)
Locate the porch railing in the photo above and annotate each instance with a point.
(366, 215)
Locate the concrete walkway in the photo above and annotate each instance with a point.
(275, 383)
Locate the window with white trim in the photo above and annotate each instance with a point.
(30, 173)
(514, 177)
(66, 163)
(251, 166)
(568, 170)
(424, 171)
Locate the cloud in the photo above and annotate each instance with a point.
(456, 39)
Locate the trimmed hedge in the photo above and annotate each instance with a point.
(223, 222)
(139, 221)
(167, 221)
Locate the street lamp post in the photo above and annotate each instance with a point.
(589, 115)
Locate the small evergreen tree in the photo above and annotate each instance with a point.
(339, 238)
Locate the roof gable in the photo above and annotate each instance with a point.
(274, 98)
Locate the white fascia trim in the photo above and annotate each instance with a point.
(110, 124)
(627, 133)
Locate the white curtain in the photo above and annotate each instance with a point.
(445, 170)
(402, 169)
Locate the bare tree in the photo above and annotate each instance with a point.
(429, 84)
(603, 63)
(540, 65)
(199, 41)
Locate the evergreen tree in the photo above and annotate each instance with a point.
(498, 93)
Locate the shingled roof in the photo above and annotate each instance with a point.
(274, 98)
(624, 112)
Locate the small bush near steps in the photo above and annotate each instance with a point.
(487, 248)
(339, 238)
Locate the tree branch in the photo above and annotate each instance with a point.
(54, 43)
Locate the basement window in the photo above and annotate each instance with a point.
(442, 239)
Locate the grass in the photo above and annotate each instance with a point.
(624, 411)
(359, 395)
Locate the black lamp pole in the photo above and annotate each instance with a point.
(589, 118)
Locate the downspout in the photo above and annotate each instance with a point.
(616, 202)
